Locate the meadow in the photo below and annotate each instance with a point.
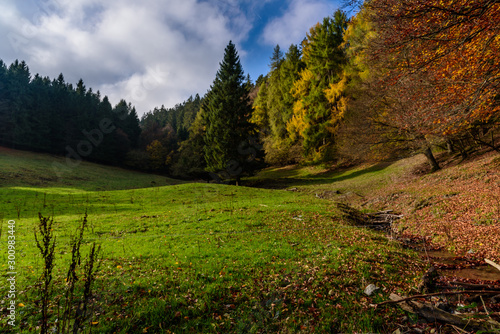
(196, 257)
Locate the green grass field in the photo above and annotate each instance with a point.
(201, 258)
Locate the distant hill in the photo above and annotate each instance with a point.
(22, 168)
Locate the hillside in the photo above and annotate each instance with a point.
(456, 208)
(23, 168)
(214, 258)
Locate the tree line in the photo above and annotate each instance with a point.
(53, 116)
(400, 77)
(210, 137)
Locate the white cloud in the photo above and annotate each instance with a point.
(292, 26)
(150, 52)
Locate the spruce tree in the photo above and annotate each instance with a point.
(276, 58)
(228, 150)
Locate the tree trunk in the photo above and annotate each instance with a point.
(450, 147)
(432, 160)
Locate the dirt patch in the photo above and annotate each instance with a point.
(453, 267)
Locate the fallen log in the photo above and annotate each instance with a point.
(497, 266)
(444, 293)
(432, 314)
(473, 286)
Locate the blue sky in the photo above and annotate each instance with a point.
(150, 52)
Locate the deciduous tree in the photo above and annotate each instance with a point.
(314, 115)
(443, 58)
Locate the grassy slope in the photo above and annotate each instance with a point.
(206, 257)
(20, 168)
(358, 181)
(457, 208)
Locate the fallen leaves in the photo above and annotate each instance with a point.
(457, 209)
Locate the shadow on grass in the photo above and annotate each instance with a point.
(327, 177)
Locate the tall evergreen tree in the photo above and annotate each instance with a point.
(276, 58)
(132, 127)
(18, 92)
(227, 113)
(6, 118)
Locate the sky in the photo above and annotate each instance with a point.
(151, 52)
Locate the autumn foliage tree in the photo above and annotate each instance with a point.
(360, 136)
(315, 116)
(442, 62)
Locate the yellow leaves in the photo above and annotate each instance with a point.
(335, 90)
(259, 116)
(297, 124)
(336, 96)
(301, 86)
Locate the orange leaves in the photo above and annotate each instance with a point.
(456, 208)
(454, 46)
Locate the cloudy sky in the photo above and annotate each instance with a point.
(150, 52)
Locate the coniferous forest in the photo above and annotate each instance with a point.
(369, 87)
(50, 115)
